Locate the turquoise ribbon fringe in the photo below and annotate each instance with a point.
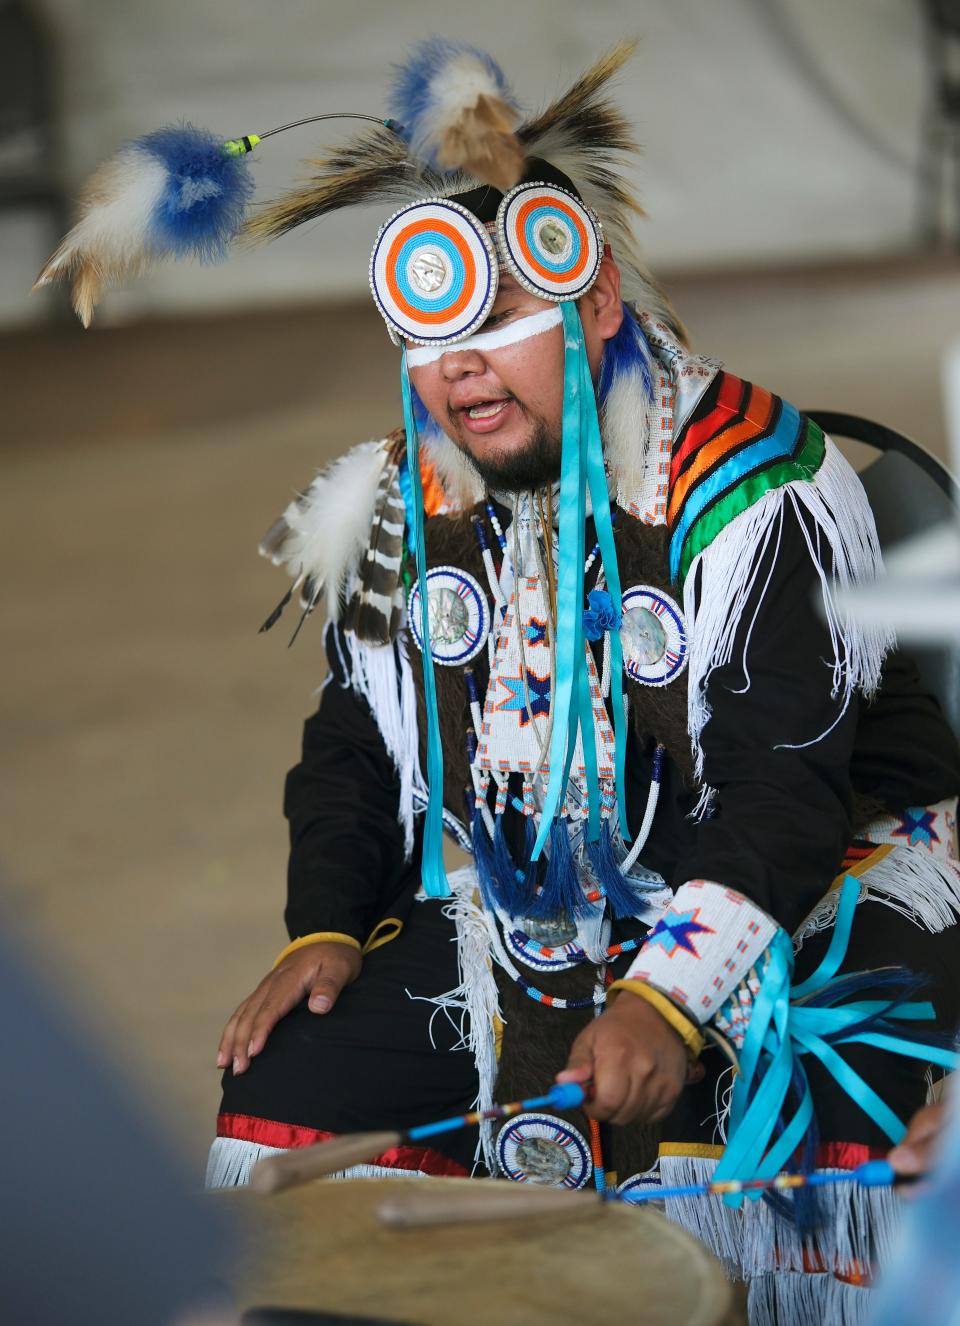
(782, 1028)
(581, 469)
(435, 881)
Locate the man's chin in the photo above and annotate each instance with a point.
(517, 468)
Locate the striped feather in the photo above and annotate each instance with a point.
(375, 608)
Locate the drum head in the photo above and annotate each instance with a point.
(322, 1247)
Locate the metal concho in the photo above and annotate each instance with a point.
(542, 1149)
(653, 635)
(458, 614)
(551, 242)
(433, 272)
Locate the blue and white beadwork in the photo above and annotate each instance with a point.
(433, 272)
(542, 1149)
(543, 957)
(653, 635)
(640, 1184)
(458, 613)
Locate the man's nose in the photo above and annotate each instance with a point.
(456, 363)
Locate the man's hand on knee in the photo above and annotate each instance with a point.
(317, 971)
(637, 1062)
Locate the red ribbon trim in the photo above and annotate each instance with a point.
(286, 1136)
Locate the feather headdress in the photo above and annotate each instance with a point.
(582, 133)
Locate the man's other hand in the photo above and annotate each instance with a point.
(915, 1153)
(319, 971)
(637, 1062)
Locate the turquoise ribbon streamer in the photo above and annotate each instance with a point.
(581, 467)
(781, 1028)
(603, 524)
(567, 696)
(435, 882)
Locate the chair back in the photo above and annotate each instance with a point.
(909, 491)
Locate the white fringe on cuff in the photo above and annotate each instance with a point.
(923, 888)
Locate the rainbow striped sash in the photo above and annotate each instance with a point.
(739, 443)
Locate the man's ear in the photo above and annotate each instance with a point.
(602, 302)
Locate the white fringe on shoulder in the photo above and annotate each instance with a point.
(923, 888)
(473, 1006)
(845, 551)
(382, 675)
(231, 1159)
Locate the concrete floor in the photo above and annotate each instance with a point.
(147, 725)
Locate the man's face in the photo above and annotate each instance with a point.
(502, 407)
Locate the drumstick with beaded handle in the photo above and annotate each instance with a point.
(505, 1201)
(302, 1164)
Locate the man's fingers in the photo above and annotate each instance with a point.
(284, 996)
(914, 1155)
(612, 1085)
(225, 1048)
(324, 993)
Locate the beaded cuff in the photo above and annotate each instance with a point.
(704, 947)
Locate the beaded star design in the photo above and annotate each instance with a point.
(677, 930)
(535, 631)
(916, 825)
(515, 700)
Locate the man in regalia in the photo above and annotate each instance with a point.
(583, 615)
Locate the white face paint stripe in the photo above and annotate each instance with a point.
(532, 325)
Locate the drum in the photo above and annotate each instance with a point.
(323, 1247)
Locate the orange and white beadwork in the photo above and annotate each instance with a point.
(433, 272)
(549, 240)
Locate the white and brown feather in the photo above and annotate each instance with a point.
(322, 536)
(374, 609)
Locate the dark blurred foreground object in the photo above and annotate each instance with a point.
(922, 1285)
(98, 1224)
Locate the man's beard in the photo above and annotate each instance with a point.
(537, 465)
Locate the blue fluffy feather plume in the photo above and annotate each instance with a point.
(202, 208)
(173, 193)
(457, 112)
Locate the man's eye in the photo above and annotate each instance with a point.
(496, 319)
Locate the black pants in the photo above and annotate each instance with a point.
(381, 1059)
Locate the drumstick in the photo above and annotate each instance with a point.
(419, 1210)
(301, 1164)
(871, 1174)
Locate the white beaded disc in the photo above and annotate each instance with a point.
(459, 615)
(550, 241)
(653, 634)
(542, 1149)
(434, 272)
